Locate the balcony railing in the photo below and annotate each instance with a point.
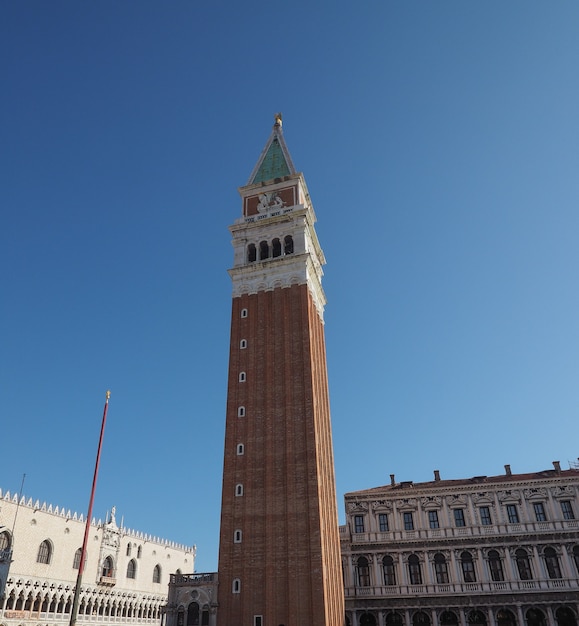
(468, 531)
(193, 579)
(485, 587)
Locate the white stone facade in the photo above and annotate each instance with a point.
(125, 578)
(492, 551)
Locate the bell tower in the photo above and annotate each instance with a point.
(279, 553)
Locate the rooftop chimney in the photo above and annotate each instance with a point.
(557, 466)
(508, 470)
(392, 481)
(437, 475)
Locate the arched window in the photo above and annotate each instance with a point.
(414, 571)
(129, 549)
(139, 552)
(495, 566)
(523, 564)
(535, 617)
(276, 248)
(506, 618)
(44, 552)
(394, 619)
(420, 618)
(576, 557)
(242, 377)
(367, 619)
(193, 614)
(157, 574)
(448, 618)
(288, 245)
(243, 313)
(76, 560)
(243, 344)
(251, 253)
(237, 536)
(236, 586)
(263, 250)
(240, 411)
(240, 449)
(565, 617)
(132, 569)
(476, 618)
(363, 572)
(389, 570)
(107, 570)
(239, 489)
(4, 541)
(467, 564)
(552, 563)
(440, 569)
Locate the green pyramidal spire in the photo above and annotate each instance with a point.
(275, 160)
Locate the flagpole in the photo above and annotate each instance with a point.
(74, 611)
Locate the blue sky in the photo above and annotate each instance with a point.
(439, 141)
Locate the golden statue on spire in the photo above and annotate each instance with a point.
(277, 118)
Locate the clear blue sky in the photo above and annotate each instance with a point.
(439, 141)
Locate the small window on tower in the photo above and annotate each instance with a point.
(243, 312)
(239, 489)
(241, 411)
(236, 586)
(288, 247)
(251, 253)
(276, 248)
(241, 377)
(237, 536)
(240, 449)
(257, 620)
(243, 344)
(263, 250)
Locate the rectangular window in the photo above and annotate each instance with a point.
(485, 516)
(459, 518)
(433, 519)
(258, 620)
(383, 522)
(539, 512)
(358, 523)
(567, 509)
(512, 514)
(408, 521)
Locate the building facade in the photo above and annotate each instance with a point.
(126, 573)
(279, 551)
(485, 551)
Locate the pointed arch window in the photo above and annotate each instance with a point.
(157, 574)
(129, 549)
(4, 541)
(139, 552)
(132, 569)
(76, 560)
(44, 552)
(239, 489)
(107, 570)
